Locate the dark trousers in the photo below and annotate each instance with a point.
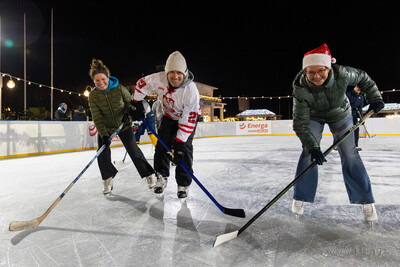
(167, 133)
(357, 131)
(127, 137)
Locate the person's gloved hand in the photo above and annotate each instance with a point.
(105, 140)
(376, 106)
(317, 155)
(137, 110)
(178, 150)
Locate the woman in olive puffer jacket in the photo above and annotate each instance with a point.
(319, 97)
(109, 104)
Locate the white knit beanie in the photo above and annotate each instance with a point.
(176, 62)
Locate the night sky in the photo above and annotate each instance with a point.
(251, 48)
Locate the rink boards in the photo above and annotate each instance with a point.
(29, 138)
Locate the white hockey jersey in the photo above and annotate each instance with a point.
(181, 104)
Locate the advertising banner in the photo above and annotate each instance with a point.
(253, 127)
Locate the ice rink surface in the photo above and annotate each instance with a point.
(134, 228)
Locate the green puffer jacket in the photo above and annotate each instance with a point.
(108, 107)
(327, 103)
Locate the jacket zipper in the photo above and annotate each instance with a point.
(111, 110)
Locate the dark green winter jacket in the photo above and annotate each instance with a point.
(327, 103)
(108, 107)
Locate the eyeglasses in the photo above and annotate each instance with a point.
(320, 72)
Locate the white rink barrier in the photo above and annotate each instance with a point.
(29, 138)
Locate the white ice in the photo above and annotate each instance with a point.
(134, 228)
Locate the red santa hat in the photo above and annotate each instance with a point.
(319, 56)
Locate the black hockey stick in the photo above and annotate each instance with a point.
(228, 236)
(23, 225)
(228, 211)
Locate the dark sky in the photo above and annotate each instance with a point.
(252, 48)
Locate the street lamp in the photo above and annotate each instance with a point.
(87, 92)
(10, 84)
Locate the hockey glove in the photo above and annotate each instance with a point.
(178, 150)
(376, 106)
(137, 111)
(317, 155)
(105, 140)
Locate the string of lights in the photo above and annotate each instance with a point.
(11, 84)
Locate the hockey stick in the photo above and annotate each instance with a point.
(365, 127)
(228, 211)
(118, 162)
(23, 225)
(228, 236)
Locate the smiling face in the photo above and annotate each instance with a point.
(175, 78)
(317, 74)
(101, 81)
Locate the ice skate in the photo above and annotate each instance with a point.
(183, 192)
(369, 212)
(161, 184)
(107, 186)
(151, 180)
(359, 148)
(297, 208)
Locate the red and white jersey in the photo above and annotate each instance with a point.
(181, 104)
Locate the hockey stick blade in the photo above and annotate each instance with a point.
(118, 162)
(23, 225)
(225, 238)
(235, 212)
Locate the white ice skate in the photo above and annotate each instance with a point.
(369, 212)
(297, 207)
(107, 186)
(183, 192)
(161, 184)
(151, 180)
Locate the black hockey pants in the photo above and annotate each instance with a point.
(167, 133)
(127, 137)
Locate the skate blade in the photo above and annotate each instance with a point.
(182, 200)
(107, 195)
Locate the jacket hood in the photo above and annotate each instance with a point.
(112, 83)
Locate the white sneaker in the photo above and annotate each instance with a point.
(183, 192)
(298, 207)
(151, 180)
(107, 186)
(161, 184)
(369, 212)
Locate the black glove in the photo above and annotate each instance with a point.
(178, 150)
(137, 110)
(376, 106)
(317, 155)
(105, 140)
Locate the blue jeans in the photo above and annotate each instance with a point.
(355, 176)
